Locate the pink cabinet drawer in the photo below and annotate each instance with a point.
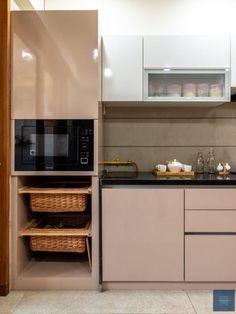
(210, 221)
(210, 257)
(222, 198)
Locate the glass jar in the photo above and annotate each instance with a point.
(189, 90)
(202, 90)
(200, 163)
(215, 90)
(174, 90)
(211, 162)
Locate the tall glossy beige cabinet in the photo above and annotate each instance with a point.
(55, 75)
(54, 65)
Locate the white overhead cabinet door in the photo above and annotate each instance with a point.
(233, 62)
(122, 68)
(187, 52)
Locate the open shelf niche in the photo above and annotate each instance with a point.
(44, 269)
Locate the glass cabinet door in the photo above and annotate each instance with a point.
(187, 85)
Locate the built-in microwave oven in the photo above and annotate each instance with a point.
(54, 145)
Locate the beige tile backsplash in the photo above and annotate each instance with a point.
(154, 135)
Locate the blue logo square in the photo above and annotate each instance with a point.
(223, 300)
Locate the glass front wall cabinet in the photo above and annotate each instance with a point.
(187, 85)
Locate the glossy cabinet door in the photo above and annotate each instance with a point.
(187, 51)
(187, 85)
(122, 68)
(54, 65)
(142, 234)
(233, 61)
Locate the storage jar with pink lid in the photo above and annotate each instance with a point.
(202, 90)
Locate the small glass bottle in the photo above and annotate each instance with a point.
(200, 163)
(211, 162)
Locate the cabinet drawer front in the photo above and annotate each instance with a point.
(210, 221)
(210, 199)
(210, 258)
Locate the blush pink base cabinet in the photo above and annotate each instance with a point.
(143, 234)
(163, 234)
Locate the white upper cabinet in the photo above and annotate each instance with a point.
(233, 61)
(187, 69)
(122, 68)
(187, 52)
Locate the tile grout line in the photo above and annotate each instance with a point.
(191, 302)
(18, 302)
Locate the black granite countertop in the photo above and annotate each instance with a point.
(147, 178)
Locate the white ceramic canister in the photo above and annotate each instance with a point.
(189, 90)
(202, 90)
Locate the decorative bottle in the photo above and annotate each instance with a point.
(200, 163)
(211, 162)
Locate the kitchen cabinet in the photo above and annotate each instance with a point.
(188, 51)
(210, 257)
(122, 68)
(30, 269)
(233, 61)
(187, 68)
(187, 85)
(210, 234)
(54, 65)
(143, 234)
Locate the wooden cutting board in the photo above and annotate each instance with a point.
(172, 174)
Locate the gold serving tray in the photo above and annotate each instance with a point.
(172, 174)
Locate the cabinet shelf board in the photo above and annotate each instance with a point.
(32, 230)
(61, 190)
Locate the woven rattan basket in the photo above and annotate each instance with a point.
(60, 198)
(58, 202)
(58, 244)
(59, 233)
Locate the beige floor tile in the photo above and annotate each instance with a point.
(203, 302)
(132, 302)
(8, 303)
(45, 302)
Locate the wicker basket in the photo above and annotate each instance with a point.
(58, 244)
(48, 235)
(42, 202)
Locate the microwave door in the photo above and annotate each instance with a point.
(58, 145)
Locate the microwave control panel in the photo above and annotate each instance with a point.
(86, 147)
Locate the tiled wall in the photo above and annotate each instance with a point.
(152, 135)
